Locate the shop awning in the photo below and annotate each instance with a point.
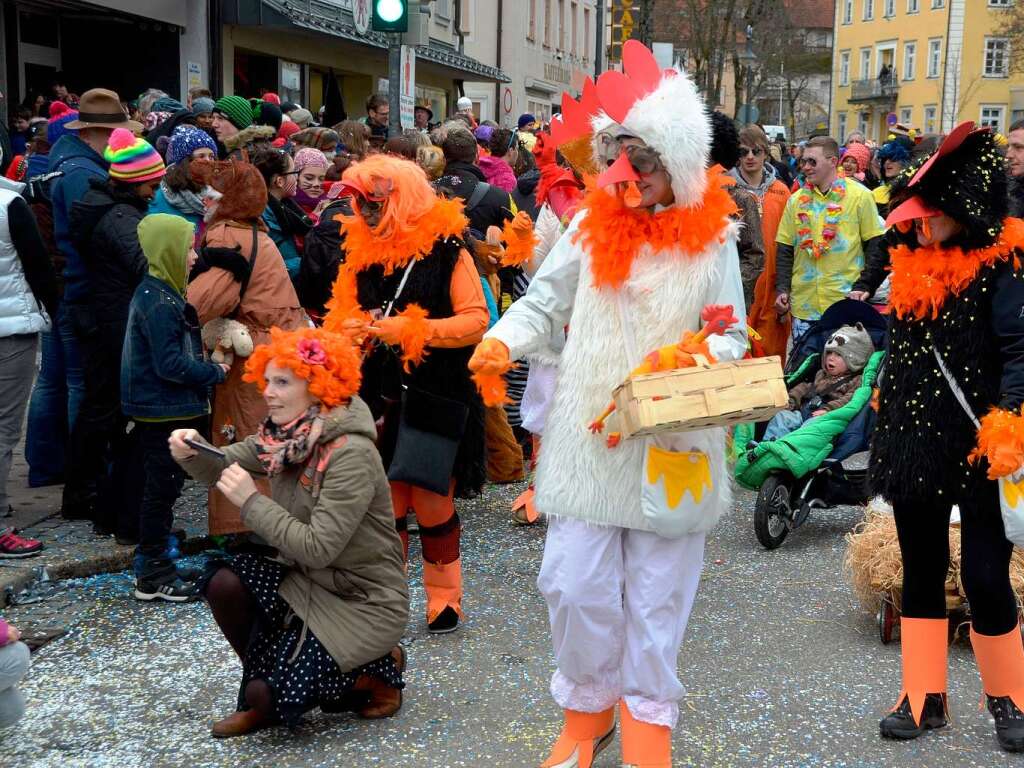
(335, 19)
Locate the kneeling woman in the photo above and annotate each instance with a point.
(318, 625)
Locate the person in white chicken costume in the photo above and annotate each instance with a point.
(650, 248)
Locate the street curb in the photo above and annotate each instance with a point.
(14, 579)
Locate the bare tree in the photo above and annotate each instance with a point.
(1012, 28)
(706, 30)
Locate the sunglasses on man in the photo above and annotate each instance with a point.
(755, 152)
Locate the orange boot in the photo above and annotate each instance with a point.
(583, 737)
(922, 702)
(1001, 664)
(443, 585)
(644, 745)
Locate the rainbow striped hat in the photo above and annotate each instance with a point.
(131, 159)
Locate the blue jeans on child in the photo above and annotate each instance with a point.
(782, 424)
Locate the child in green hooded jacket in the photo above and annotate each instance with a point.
(165, 385)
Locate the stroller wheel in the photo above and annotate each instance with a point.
(772, 513)
(886, 620)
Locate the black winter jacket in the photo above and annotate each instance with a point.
(321, 257)
(525, 193)
(104, 227)
(495, 207)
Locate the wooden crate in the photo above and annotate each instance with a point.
(716, 395)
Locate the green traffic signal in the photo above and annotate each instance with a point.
(390, 16)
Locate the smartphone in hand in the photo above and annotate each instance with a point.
(195, 444)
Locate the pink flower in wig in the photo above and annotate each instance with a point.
(312, 352)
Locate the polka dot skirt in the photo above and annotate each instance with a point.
(313, 679)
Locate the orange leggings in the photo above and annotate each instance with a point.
(435, 514)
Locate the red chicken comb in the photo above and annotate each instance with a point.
(718, 318)
(574, 120)
(618, 92)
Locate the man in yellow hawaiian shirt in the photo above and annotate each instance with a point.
(828, 226)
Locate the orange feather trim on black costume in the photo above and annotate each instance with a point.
(614, 234)
(413, 337)
(344, 302)
(1001, 442)
(415, 240)
(924, 278)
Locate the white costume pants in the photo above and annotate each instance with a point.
(618, 601)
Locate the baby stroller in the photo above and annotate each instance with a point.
(824, 463)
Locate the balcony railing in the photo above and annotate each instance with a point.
(877, 89)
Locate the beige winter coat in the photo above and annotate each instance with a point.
(346, 577)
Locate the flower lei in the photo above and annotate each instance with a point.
(833, 210)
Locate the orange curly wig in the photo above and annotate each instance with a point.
(328, 361)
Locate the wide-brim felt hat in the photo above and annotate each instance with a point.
(100, 108)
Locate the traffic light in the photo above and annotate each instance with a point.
(390, 16)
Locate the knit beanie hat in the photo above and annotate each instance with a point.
(167, 104)
(55, 126)
(307, 156)
(272, 98)
(202, 106)
(287, 129)
(185, 140)
(58, 108)
(861, 153)
(131, 159)
(265, 113)
(853, 344)
(236, 109)
(301, 117)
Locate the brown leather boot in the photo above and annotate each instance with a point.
(385, 701)
(239, 724)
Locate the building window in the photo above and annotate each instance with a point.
(992, 116)
(1016, 116)
(934, 57)
(561, 25)
(844, 68)
(443, 8)
(547, 23)
(466, 17)
(862, 123)
(906, 115)
(913, 6)
(865, 63)
(586, 34)
(938, 3)
(1000, 3)
(574, 20)
(997, 59)
(531, 29)
(930, 119)
(909, 60)
(847, 11)
(869, 10)
(890, 9)
(841, 127)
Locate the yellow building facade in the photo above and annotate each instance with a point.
(927, 63)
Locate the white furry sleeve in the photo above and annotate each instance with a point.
(528, 324)
(547, 229)
(728, 289)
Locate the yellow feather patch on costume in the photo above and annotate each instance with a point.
(1000, 442)
(681, 472)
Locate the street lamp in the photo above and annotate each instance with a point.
(746, 57)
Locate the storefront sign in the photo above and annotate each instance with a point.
(195, 75)
(407, 92)
(361, 15)
(557, 73)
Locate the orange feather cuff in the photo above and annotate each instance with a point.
(492, 387)
(413, 336)
(520, 240)
(1000, 442)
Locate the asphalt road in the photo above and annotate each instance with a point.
(782, 667)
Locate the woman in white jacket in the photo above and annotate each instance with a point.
(650, 248)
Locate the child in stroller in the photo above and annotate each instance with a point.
(846, 353)
(823, 462)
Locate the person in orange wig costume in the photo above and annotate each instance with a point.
(409, 290)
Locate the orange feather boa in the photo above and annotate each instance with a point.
(924, 278)
(1001, 442)
(413, 337)
(520, 240)
(364, 248)
(615, 234)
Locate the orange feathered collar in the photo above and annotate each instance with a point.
(614, 234)
(923, 278)
(364, 248)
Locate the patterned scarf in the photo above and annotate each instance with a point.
(288, 444)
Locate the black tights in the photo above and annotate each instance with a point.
(923, 529)
(236, 614)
